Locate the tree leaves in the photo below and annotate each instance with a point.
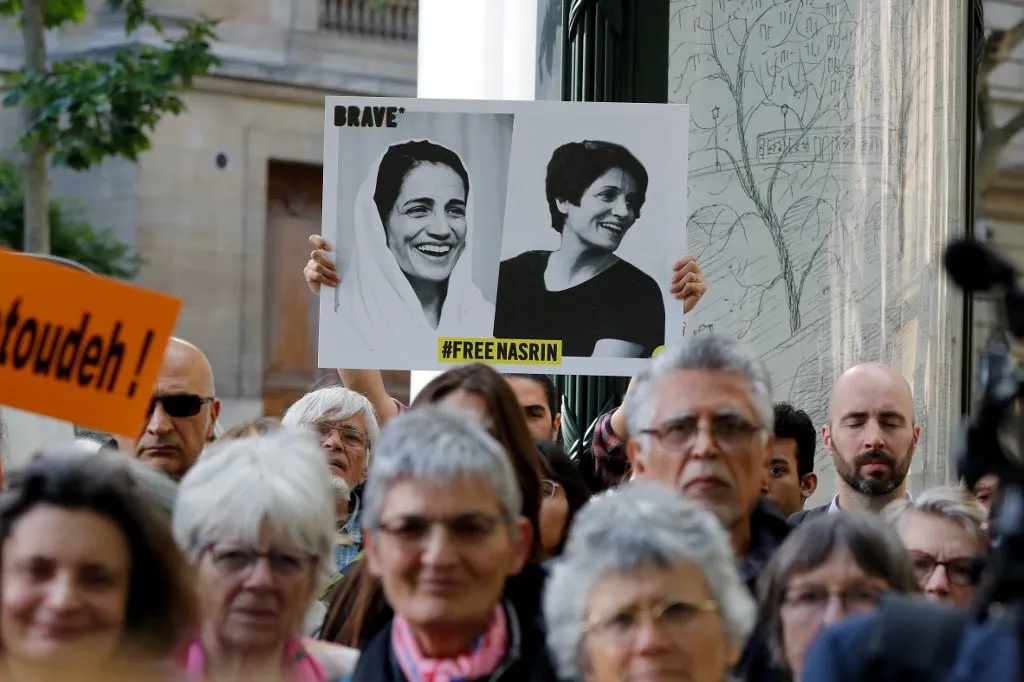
(74, 238)
(88, 110)
(58, 12)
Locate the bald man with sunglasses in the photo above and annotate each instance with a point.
(182, 413)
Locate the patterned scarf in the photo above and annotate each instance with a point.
(299, 666)
(482, 659)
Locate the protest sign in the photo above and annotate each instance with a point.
(531, 236)
(78, 346)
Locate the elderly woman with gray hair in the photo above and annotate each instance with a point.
(443, 534)
(647, 588)
(943, 529)
(834, 566)
(255, 516)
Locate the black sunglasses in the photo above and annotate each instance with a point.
(179, 405)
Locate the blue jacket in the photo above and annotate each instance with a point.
(987, 653)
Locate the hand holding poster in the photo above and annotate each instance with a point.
(77, 346)
(533, 236)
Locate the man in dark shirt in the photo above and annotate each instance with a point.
(701, 420)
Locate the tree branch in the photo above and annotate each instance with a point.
(999, 46)
(1011, 127)
(983, 99)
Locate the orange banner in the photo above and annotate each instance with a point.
(80, 347)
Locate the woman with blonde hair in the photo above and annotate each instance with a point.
(944, 532)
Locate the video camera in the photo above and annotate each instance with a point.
(991, 440)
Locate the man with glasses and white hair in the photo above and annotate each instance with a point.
(346, 427)
(700, 419)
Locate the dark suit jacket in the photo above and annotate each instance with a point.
(808, 514)
(929, 642)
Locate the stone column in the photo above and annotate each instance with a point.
(828, 141)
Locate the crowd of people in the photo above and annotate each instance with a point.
(357, 538)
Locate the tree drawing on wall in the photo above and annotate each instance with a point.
(791, 82)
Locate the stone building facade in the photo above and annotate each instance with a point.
(1001, 209)
(222, 204)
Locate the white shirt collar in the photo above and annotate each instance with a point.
(834, 507)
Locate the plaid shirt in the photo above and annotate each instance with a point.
(611, 464)
(350, 538)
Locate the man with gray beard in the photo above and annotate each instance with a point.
(346, 426)
(871, 435)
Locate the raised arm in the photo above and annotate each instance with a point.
(322, 271)
(611, 464)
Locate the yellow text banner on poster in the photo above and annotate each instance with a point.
(500, 351)
(77, 346)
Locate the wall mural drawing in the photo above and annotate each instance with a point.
(825, 154)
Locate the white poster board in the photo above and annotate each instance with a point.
(532, 236)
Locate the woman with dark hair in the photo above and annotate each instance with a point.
(830, 568)
(407, 280)
(93, 585)
(565, 493)
(358, 609)
(582, 293)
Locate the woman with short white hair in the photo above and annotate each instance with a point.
(255, 516)
(943, 530)
(444, 532)
(647, 585)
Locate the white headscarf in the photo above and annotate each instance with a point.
(377, 303)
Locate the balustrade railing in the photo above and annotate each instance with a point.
(396, 20)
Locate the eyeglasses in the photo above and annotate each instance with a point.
(962, 571)
(550, 487)
(812, 602)
(463, 529)
(351, 437)
(179, 405)
(677, 615)
(241, 560)
(732, 433)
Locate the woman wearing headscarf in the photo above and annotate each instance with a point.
(409, 278)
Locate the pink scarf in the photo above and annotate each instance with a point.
(299, 665)
(481, 660)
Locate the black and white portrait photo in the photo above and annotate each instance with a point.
(414, 213)
(597, 221)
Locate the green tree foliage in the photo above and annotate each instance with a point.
(89, 109)
(73, 238)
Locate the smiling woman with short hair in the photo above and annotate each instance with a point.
(93, 585)
(595, 302)
(444, 532)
